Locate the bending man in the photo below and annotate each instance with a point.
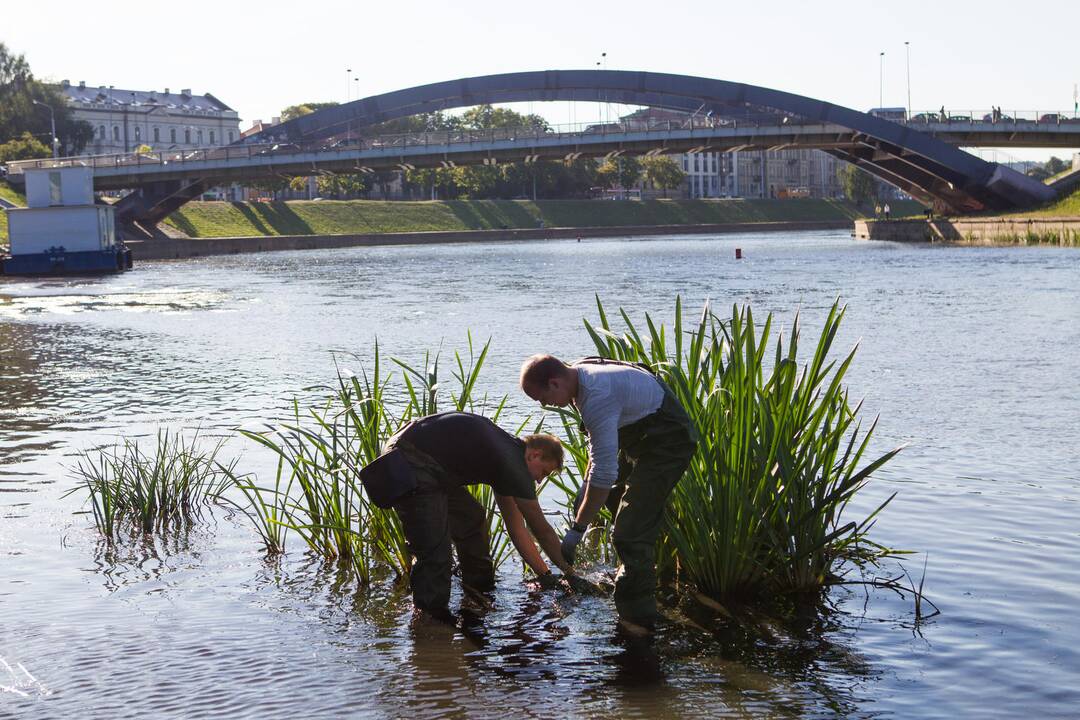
(422, 475)
(640, 444)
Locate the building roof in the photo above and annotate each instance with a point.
(88, 96)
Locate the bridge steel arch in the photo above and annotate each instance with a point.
(916, 162)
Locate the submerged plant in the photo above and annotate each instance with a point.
(169, 487)
(780, 453)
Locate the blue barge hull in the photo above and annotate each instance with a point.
(57, 261)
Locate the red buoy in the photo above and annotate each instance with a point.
(738, 253)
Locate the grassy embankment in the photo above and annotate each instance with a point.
(1068, 206)
(7, 193)
(221, 219)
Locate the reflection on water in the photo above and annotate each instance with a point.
(964, 353)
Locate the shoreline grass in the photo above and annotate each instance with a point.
(334, 217)
(152, 493)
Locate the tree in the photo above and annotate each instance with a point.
(18, 113)
(663, 172)
(432, 181)
(621, 172)
(858, 185)
(345, 185)
(269, 185)
(294, 111)
(26, 147)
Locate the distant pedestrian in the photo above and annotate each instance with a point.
(943, 117)
(886, 210)
(877, 211)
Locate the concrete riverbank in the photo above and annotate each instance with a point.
(176, 248)
(975, 231)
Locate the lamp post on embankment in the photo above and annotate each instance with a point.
(52, 124)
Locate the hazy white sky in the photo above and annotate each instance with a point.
(261, 57)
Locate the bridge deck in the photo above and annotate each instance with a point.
(449, 148)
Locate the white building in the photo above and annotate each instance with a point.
(126, 119)
(750, 173)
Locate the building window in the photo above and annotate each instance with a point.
(187, 136)
(101, 132)
(157, 135)
(211, 137)
(116, 133)
(230, 136)
(198, 136)
(172, 135)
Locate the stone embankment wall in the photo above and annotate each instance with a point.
(975, 231)
(173, 248)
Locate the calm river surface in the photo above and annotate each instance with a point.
(968, 355)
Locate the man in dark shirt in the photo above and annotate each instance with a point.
(426, 467)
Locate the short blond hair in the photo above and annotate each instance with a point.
(549, 446)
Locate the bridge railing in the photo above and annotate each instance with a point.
(357, 143)
(352, 142)
(994, 116)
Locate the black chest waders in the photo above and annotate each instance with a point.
(435, 513)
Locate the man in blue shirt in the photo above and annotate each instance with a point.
(640, 444)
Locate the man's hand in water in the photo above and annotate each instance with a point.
(580, 586)
(570, 542)
(548, 581)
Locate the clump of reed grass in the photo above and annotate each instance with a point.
(166, 488)
(761, 507)
(317, 493)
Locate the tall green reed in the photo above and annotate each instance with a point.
(761, 507)
(167, 488)
(317, 493)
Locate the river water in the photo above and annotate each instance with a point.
(967, 354)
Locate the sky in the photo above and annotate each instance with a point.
(261, 57)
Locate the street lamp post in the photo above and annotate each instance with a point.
(52, 124)
(881, 80)
(907, 51)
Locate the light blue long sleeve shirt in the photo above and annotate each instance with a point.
(610, 397)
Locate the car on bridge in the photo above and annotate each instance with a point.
(1057, 119)
(925, 118)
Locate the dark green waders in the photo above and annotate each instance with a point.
(654, 452)
(435, 514)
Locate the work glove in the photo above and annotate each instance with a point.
(570, 542)
(548, 581)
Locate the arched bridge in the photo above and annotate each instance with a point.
(910, 159)
(728, 116)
